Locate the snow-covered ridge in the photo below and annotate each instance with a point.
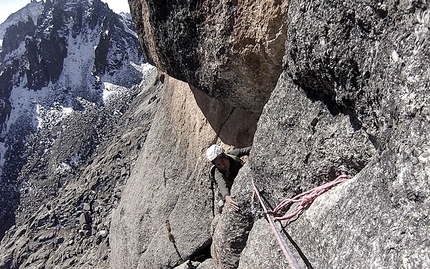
(32, 10)
(82, 82)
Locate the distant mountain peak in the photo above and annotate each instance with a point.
(57, 57)
(31, 10)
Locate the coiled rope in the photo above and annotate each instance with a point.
(304, 199)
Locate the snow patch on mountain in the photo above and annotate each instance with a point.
(32, 10)
(110, 89)
(46, 108)
(78, 86)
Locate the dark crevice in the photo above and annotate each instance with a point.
(203, 253)
(302, 255)
(374, 140)
(226, 119)
(266, 201)
(213, 195)
(172, 239)
(315, 92)
(353, 119)
(200, 255)
(313, 124)
(327, 96)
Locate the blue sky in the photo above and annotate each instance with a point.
(8, 7)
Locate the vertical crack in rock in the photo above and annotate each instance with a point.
(231, 229)
(225, 121)
(172, 239)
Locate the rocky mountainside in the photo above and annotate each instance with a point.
(77, 102)
(318, 88)
(350, 97)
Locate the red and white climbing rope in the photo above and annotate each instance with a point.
(304, 199)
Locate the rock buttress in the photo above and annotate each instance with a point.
(231, 50)
(352, 99)
(169, 182)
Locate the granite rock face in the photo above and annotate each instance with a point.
(351, 98)
(229, 49)
(164, 216)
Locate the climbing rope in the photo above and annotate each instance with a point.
(281, 241)
(304, 199)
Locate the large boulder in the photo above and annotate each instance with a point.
(229, 49)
